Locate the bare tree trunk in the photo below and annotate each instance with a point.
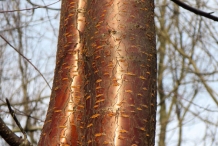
(65, 111)
(104, 90)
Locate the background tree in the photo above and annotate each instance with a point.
(187, 108)
(20, 82)
(187, 75)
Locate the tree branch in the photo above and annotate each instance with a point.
(11, 138)
(35, 7)
(39, 6)
(25, 59)
(196, 11)
(15, 118)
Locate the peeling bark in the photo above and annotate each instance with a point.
(104, 90)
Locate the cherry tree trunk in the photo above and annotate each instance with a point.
(104, 90)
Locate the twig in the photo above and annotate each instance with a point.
(196, 11)
(10, 137)
(15, 118)
(24, 141)
(25, 59)
(29, 1)
(37, 7)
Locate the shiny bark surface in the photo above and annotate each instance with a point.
(104, 90)
(63, 120)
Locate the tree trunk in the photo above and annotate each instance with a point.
(104, 90)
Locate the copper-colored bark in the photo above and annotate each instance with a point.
(63, 120)
(120, 73)
(104, 91)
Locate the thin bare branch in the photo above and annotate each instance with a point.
(29, 1)
(25, 59)
(9, 136)
(15, 118)
(36, 7)
(196, 11)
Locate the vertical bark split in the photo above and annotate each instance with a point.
(104, 90)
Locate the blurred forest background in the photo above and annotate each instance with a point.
(187, 47)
